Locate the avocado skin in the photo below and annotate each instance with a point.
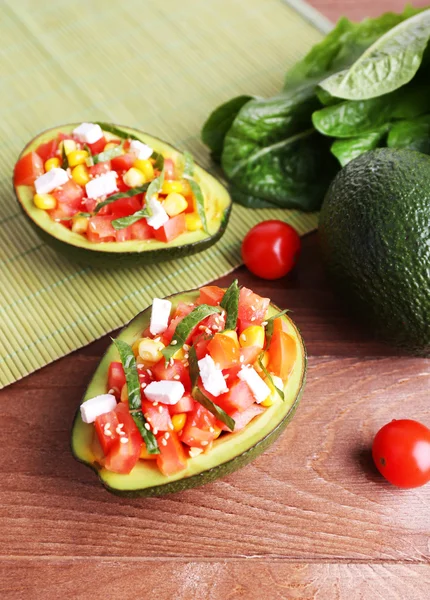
(375, 238)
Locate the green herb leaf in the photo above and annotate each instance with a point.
(128, 194)
(64, 159)
(201, 398)
(412, 134)
(185, 327)
(188, 174)
(230, 302)
(159, 161)
(269, 376)
(128, 361)
(81, 214)
(105, 155)
(346, 149)
(124, 222)
(125, 135)
(388, 64)
(269, 325)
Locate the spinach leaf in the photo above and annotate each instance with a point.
(230, 302)
(185, 327)
(346, 149)
(128, 194)
(219, 122)
(64, 159)
(201, 398)
(105, 155)
(188, 174)
(269, 376)
(128, 361)
(412, 134)
(125, 135)
(388, 64)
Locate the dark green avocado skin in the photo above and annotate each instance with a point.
(375, 238)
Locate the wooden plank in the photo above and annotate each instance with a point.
(221, 580)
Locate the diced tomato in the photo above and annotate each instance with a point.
(280, 324)
(98, 146)
(106, 430)
(123, 456)
(161, 372)
(66, 136)
(250, 354)
(191, 204)
(185, 404)
(101, 227)
(241, 419)
(124, 162)
(88, 205)
(172, 457)
(116, 377)
(157, 416)
(215, 322)
(100, 168)
(141, 230)
(120, 184)
(47, 150)
(63, 211)
(125, 207)
(282, 354)
(169, 169)
(123, 235)
(252, 309)
(199, 429)
(238, 398)
(224, 350)
(211, 294)
(172, 229)
(201, 343)
(69, 193)
(28, 169)
(182, 310)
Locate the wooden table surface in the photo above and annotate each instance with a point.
(309, 519)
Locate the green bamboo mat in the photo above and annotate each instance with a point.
(160, 66)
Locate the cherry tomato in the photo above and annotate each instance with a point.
(401, 451)
(270, 249)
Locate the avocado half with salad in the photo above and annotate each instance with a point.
(109, 195)
(195, 387)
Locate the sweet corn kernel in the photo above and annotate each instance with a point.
(217, 433)
(252, 336)
(231, 334)
(144, 454)
(170, 186)
(264, 360)
(124, 393)
(134, 178)
(52, 163)
(68, 145)
(80, 175)
(193, 222)
(44, 201)
(146, 167)
(149, 350)
(77, 157)
(174, 204)
(179, 354)
(110, 145)
(178, 421)
(268, 402)
(80, 224)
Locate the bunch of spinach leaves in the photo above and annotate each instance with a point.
(365, 85)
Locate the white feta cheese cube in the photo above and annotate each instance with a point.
(50, 180)
(159, 316)
(165, 392)
(212, 378)
(102, 186)
(141, 150)
(259, 389)
(159, 216)
(99, 405)
(88, 133)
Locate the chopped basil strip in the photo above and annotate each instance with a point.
(269, 376)
(125, 135)
(155, 185)
(81, 214)
(230, 302)
(159, 160)
(200, 397)
(185, 327)
(128, 194)
(89, 160)
(128, 361)
(269, 326)
(105, 155)
(124, 222)
(188, 174)
(64, 160)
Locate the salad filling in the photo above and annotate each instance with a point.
(101, 183)
(199, 372)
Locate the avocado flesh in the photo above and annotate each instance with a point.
(228, 453)
(375, 239)
(74, 245)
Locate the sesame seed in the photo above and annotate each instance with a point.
(149, 372)
(167, 435)
(253, 307)
(186, 347)
(186, 355)
(171, 426)
(119, 429)
(171, 362)
(264, 323)
(243, 336)
(242, 358)
(226, 376)
(186, 363)
(160, 409)
(157, 339)
(176, 376)
(173, 342)
(202, 327)
(205, 443)
(163, 441)
(155, 403)
(218, 366)
(155, 431)
(123, 440)
(252, 318)
(107, 426)
(111, 391)
(211, 429)
(140, 367)
(143, 385)
(108, 433)
(147, 426)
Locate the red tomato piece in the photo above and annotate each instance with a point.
(181, 311)
(106, 430)
(199, 429)
(98, 146)
(101, 227)
(69, 193)
(100, 168)
(157, 416)
(63, 211)
(124, 162)
(125, 207)
(172, 229)
(28, 169)
(172, 457)
(124, 456)
(169, 169)
(252, 309)
(211, 295)
(280, 324)
(48, 150)
(249, 354)
(185, 404)
(116, 377)
(282, 354)
(161, 372)
(238, 398)
(401, 451)
(241, 419)
(224, 351)
(201, 343)
(88, 205)
(141, 230)
(123, 235)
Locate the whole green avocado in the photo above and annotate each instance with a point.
(375, 238)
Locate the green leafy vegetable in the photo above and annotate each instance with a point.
(128, 361)
(269, 376)
(346, 149)
(105, 155)
(201, 398)
(269, 325)
(388, 64)
(188, 174)
(230, 302)
(412, 134)
(125, 135)
(64, 159)
(185, 327)
(128, 194)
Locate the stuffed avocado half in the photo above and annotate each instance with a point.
(254, 348)
(99, 212)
